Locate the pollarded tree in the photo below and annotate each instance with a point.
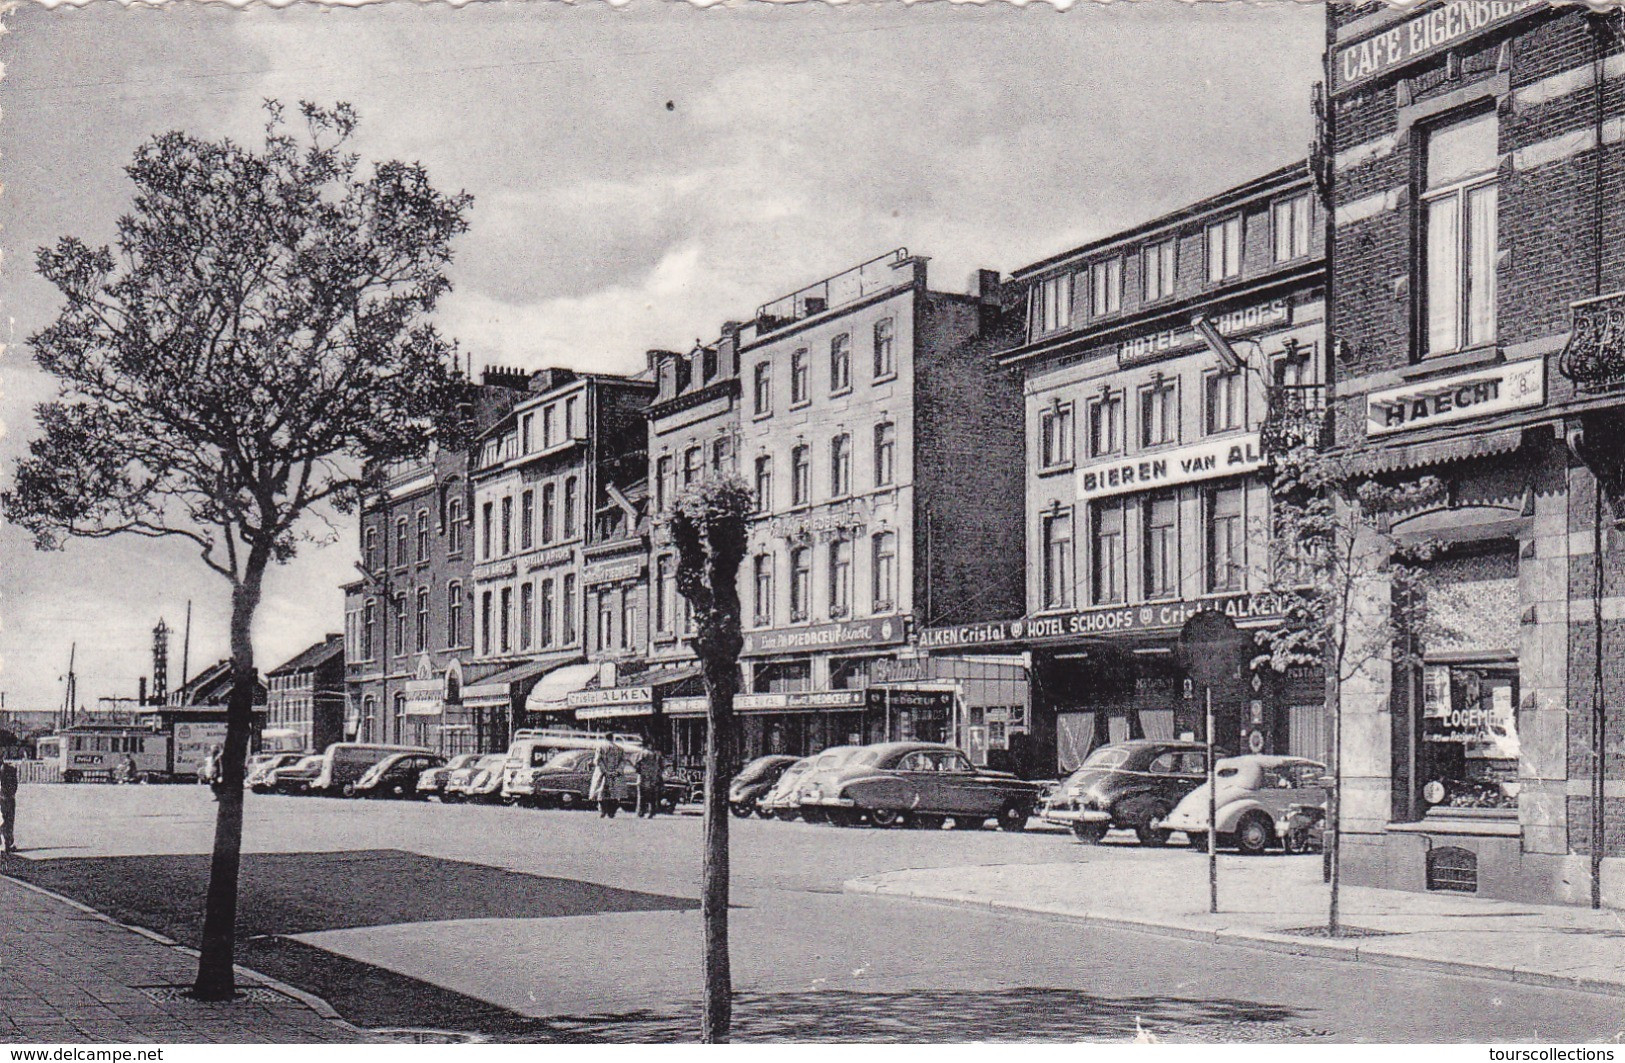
(708, 529)
(255, 340)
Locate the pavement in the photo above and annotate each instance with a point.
(75, 976)
(1279, 903)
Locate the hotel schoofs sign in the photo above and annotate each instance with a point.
(1457, 398)
(1233, 323)
(1151, 618)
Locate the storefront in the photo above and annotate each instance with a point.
(495, 705)
(636, 703)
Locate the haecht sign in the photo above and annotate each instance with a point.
(1425, 34)
(1462, 397)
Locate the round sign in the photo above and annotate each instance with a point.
(1433, 792)
(1255, 741)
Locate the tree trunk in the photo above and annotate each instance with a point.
(721, 681)
(1334, 803)
(216, 973)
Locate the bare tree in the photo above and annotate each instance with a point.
(255, 342)
(709, 531)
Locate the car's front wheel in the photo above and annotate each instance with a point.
(1254, 834)
(1013, 817)
(889, 817)
(1197, 840)
(740, 809)
(1150, 831)
(1089, 833)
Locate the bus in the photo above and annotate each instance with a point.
(102, 753)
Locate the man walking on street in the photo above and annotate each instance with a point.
(649, 765)
(607, 760)
(8, 806)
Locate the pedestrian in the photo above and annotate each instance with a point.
(651, 771)
(211, 764)
(8, 806)
(131, 772)
(607, 761)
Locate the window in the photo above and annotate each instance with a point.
(722, 455)
(1159, 414)
(1289, 219)
(885, 570)
(800, 582)
(885, 454)
(1161, 520)
(1225, 558)
(485, 529)
(400, 625)
(606, 621)
(762, 581)
(546, 619)
(800, 476)
(454, 614)
(1107, 548)
(573, 428)
(840, 578)
(840, 363)
(400, 540)
(423, 535)
(1160, 262)
(524, 432)
(1106, 425)
(527, 613)
(693, 465)
(507, 525)
(571, 490)
(885, 349)
(763, 391)
(527, 520)
(370, 549)
(369, 622)
(567, 626)
(1106, 287)
(505, 621)
(664, 587)
(708, 364)
(1459, 212)
(422, 641)
(629, 618)
(485, 623)
(1052, 305)
(549, 510)
(665, 482)
(840, 466)
(799, 391)
(550, 433)
(454, 525)
(1224, 249)
(1224, 402)
(1055, 435)
(1057, 589)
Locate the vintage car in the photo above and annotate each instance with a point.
(824, 765)
(478, 781)
(783, 800)
(920, 784)
(432, 783)
(298, 777)
(1128, 785)
(257, 772)
(395, 776)
(1254, 794)
(753, 783)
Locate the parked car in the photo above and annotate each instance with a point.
(783, 800)
(1128, 785)
(922, 784)
(479, 781)
(808, 789)
(531, 749)
(257, 772)
(298, 777)
(1252, 796)
(395, 776)
(754, 781)
(346, 762)
(432, 783)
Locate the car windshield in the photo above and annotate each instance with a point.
(568, 759)
(757, 768)
(464, 760)
(1102, 759)
(863, 758)
(491, 762)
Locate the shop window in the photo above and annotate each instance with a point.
(1160, 267)
(1057, 575)
(1052, 305)
(1106, 425)
(1459, 219)
(1226, 550)
(1470, 741)
(1106, 529)
(885, 349)
(1055, 435)
(840, 363)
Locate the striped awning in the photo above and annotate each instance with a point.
(498, 689)
(1441, 451)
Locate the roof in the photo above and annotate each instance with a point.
(312, 656)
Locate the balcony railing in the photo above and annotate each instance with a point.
(1295, 415)
(875, 275)
(1595, 356)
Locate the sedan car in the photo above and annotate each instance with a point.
(783, 801)
(257, 772)
(1253, 794)
(1129, 785)
(922, 784)
(809, 787)
(298, 777)
(396, 775)
(478, 781)
(432, 783)
(753, 783)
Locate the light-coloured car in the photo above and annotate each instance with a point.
(432, 783)
(810, 790)
(920, 784)
(1252, 796)
(298, 777)
(257, 772)
(781, 801)
(479, 781)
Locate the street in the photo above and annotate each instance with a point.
(552, 925)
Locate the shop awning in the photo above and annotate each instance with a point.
(497, 689)
(552, 691)
(1441, 451)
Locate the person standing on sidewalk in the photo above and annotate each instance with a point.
(607, 761)
(8, 806)
(650, 766)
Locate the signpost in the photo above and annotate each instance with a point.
(1209, 645)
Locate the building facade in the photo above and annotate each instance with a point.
(306, 695)
(1474, 158)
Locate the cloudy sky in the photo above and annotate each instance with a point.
(640, 174)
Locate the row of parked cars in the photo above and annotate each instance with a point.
(1152, 788)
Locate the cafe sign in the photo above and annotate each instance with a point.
(1232, 323)
(610, 696)
(613, 571)
(878, 631)
(1427, 34)
(1199, 461)
(1457, 398)
(1152, 618)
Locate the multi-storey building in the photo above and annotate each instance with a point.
(306, 696)
(409, 634)
(1475, 164)
(571, 452)
(1145, 484)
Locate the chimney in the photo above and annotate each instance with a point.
(728, 350)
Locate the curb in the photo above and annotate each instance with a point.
(315, 1003)
(1260, 940)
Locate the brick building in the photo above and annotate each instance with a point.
(306, 696)
(1474, 159)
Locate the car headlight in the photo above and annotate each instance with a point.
(1074, 791)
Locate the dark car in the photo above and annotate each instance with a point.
(754, 781)
(1129, 785)
(396, 775)
(296, 778)
(920, 784)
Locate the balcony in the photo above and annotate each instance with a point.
(1594, 358)
(875, 275)
(1295, 415)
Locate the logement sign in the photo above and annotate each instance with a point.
(1479, 393)
(1199, 461)
(1428, 33)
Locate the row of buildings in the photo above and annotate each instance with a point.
(983, 517)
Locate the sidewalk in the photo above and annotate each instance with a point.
(1262, 898)
(70, 975)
